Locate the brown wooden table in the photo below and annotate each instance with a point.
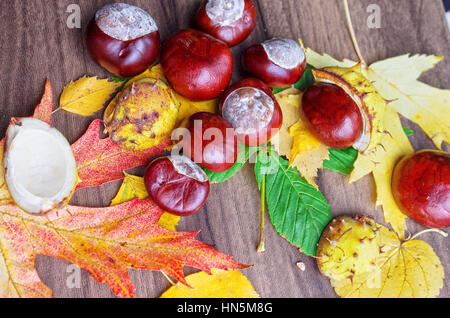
(35, 42)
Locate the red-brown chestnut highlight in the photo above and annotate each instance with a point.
(252, 110)
(421, 187)
(230, 21)
(331, 115)
(123, 39)
(177, 185)
(197, 66)
(210, 142)
(277, 62)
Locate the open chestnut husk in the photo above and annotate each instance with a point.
(277, 62)
(177, 185)
(123, 39)
(332, 115)
(251, 108)
(210, 142)
(198, 66)
(421, 187)
(230, 21)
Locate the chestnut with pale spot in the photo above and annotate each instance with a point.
(230, 21)
(123, 39)
(277, 62)
(252, 110)
(177, 185)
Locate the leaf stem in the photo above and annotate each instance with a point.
(352, 33)
(56, 110)
(261, 245)
(444, 234)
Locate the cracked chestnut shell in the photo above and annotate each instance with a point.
(211, 142)
(123, 39)
(251, 108)
(331, 115)
(421, 188)
(177, 185)
(198, 66)
(230, 21)
(277, 62)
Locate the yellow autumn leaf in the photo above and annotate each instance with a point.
(403, 269)
(134, 187)
(396, 79)
(87, 95)
(290, 106)
(187, 107)
(221, 284)
(395, 145)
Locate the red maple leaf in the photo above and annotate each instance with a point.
(102, 160)
(103, 241)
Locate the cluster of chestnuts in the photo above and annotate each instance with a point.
(198, 65)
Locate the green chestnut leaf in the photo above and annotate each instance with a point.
(298, 211)
(341, 160)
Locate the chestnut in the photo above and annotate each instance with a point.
(421, 187)
(251, 108)
(230, 21)
(123, 39)
(278, 62)
(177, 185)
(197, 66)
(331, 115)
(210, 142)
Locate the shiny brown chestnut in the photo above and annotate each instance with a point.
(197, 66)
(177, 185)
(421, 187)
(331, 115)
(251, 108)
(210, 142)
(123, 39)
(277, 62)
(230, 21)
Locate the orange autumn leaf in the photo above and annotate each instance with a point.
(101, 160)
(43, 111)
(103, 241)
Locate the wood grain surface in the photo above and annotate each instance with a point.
(36, 42)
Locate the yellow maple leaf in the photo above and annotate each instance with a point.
(134, 187)
(402, 269)
(395, 146)
(187, 107)
(221, 284)
(87, 95)
(396, 79)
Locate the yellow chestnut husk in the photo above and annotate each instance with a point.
(371, 105)
(143, 115)
(348, 247)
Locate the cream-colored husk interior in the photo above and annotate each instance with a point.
(40, 166)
